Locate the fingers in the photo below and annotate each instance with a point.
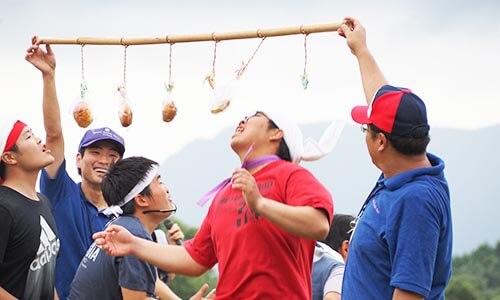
(211, 295)
(349, 24)
(241, 180)
(199, 294)
(98, 235)
(49, 49)
(203, 289)
(35, 41)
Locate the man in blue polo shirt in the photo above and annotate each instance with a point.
(401, 247)
(75, 205)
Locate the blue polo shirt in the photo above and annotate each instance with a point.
(404, 237)
(76, 219)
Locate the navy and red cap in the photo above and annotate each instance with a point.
(394, 110)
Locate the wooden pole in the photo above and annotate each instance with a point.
(170, 39)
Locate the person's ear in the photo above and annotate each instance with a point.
(344, 249)
(141, 201)
(276, 134)
(9, 158)
(381, 141)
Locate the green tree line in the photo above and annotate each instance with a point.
(476, 276)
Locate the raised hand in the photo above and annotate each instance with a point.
(354, 33)
(175, 234)
(115, 240)
(244, 181)
(44, 61)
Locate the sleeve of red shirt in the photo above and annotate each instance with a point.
(201, 247)
(303, 189)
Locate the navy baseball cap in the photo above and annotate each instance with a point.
(92, 136)
(394, 110)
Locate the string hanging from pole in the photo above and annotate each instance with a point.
(124, 108)
(244, 65)
(83, 84)
(211, 77)
(222, 94)
(169, 110)
(81, 110)
(304, 78)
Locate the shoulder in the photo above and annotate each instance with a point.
(133, 225)
(284, 167)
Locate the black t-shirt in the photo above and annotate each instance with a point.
(28, 246)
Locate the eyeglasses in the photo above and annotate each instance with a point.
(364, 128)
(255, 114)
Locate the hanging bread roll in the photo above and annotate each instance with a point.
(124, 111)
(126, 115)
(169, 111)
(82, 114)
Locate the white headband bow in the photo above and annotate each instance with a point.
(116, 210)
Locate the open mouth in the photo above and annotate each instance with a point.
(101, 171)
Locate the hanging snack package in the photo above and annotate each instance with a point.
(124, 109)
(81, 111)
(169, 111)
(222, 96)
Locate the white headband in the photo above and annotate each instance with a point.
(141, 185)
(310, 149)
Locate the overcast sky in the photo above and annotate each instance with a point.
(445, 51)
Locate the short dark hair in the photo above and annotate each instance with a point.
(340, 231)
(283, 151)
(413, 145)
(3, 166)
(122, 177)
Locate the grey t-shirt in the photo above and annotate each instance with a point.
(101, 276)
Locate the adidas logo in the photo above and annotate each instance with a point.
(49, 246)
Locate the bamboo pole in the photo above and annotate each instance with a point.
(170, 39)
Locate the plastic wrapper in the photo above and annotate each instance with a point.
(169, 110)
(222, 97)
(124, 108)
(82, 113)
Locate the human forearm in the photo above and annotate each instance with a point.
(164, 292)
(405, 295)
(302, 221)
(6, 295)
(51, 110)
(371, 75)
(45, 62)
(167, 257)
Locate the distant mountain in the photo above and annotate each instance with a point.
(471, 159)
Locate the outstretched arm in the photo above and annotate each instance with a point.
(6, 295)
(45, 62)
(118, 241)
(302, 221)
(371, 75)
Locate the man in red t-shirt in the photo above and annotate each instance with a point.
(262, 225)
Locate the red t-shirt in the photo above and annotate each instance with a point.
(257, 259)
